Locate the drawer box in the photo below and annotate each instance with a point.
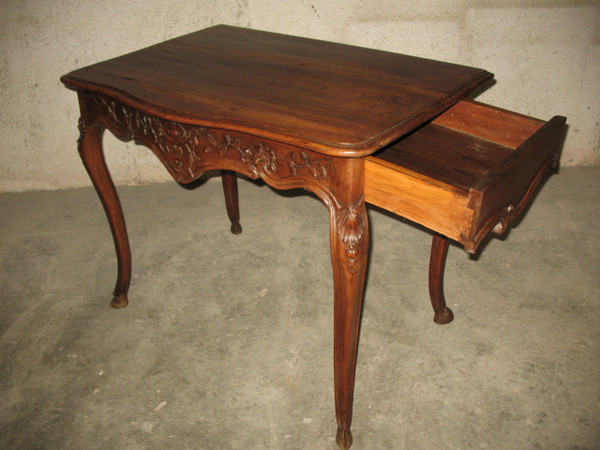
(469, 171)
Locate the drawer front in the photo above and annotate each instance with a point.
(414, 197)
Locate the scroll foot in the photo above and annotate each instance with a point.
(443, 316)
(119, 301)
(236, 228)
(344, 438)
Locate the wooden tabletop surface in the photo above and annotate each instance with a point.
(333, 98)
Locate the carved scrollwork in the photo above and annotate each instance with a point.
(351, 222)
(184, 148)
(315, 168)
(81, 126)
(261, 158)
(257, 155)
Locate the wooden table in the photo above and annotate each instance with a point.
(297, 113)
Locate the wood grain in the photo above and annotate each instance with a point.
(333, 98)
(460, 176)
(490, 123)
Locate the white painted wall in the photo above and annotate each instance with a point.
(545, 55)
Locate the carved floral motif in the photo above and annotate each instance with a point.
(81, 125)
(183, 147)
(315, 168)
(351, 222)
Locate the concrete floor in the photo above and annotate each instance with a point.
(227, 342)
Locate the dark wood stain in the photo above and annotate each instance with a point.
(335, 98)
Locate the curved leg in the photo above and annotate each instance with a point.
(231, 199)
(349, 239)
(90, 149)
(437, 262)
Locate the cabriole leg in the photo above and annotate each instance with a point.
(90, 149)
(437, 263)
(230, 189)
(349, 238)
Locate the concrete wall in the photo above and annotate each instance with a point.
(545, 55)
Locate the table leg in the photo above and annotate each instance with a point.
(349, 240)
(230, 189)
(92, 155)
(437, 262)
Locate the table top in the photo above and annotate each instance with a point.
(336, 99)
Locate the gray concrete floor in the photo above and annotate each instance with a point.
(227, 342)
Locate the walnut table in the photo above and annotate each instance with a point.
(297, 113)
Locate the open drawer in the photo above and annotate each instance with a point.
(469, 171)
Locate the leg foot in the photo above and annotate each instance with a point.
(119, 301)
(443, 316)
(343, 438)
(437, 263)
(236, 228)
